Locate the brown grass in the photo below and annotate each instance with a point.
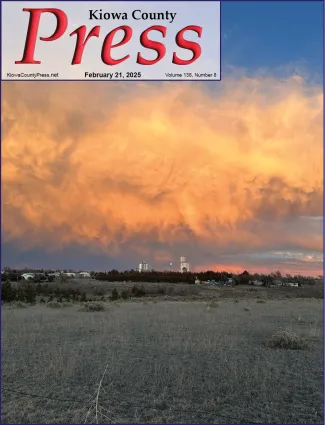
(169, 362)
(287, 340)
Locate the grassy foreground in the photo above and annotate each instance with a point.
(166, 362)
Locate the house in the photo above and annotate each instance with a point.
(292, 284)
(257, 283)
(54, 276)
(70, 275)
(84, 275)
(28, 276)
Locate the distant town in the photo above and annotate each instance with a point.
(146, 273)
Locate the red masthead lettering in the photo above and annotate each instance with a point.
(82, 41)
(154, 45)
(34, 20)
(107, 45)
(190, 45)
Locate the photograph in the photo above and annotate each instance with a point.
(162, 239)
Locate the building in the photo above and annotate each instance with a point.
(69, 274)
(28, 276)
(184, 265)
(144, 267)
(84, 275)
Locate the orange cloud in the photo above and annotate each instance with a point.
(109, 164)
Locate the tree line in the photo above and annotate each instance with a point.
(161, 277)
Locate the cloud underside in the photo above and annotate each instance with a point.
(222, 172)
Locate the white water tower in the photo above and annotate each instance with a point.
(184, 265)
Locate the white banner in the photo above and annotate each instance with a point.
(111, 40)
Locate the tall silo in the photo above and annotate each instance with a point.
(184, 265)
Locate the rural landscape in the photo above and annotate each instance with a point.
(162, 241)
(98, 350)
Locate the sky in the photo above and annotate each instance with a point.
(101, 175)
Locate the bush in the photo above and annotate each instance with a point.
(93, 306)
(30, 293)
(286, 340)
(39, 289)
(42, 301)
(212, 304)
(21, 296)
(114, 296)
(100, 292)
(18, 304)
(67, 296)
(54, 304)
(8, 293)
(161, 290)
(124, 295)
(138, 292)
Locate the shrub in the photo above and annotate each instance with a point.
(39, 289)
(54, 304)
(287, 340)
(67, 296)
(114, 296)
(99, 292)
(42, 300)
(93, 306)
(124, 295)
(161, 290)
(261, 301)
(30, 293)
(18, 304)
(21, 296)
(8, 293)
(138, 292)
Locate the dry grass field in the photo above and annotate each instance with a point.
(165, 362)
(174, 291)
